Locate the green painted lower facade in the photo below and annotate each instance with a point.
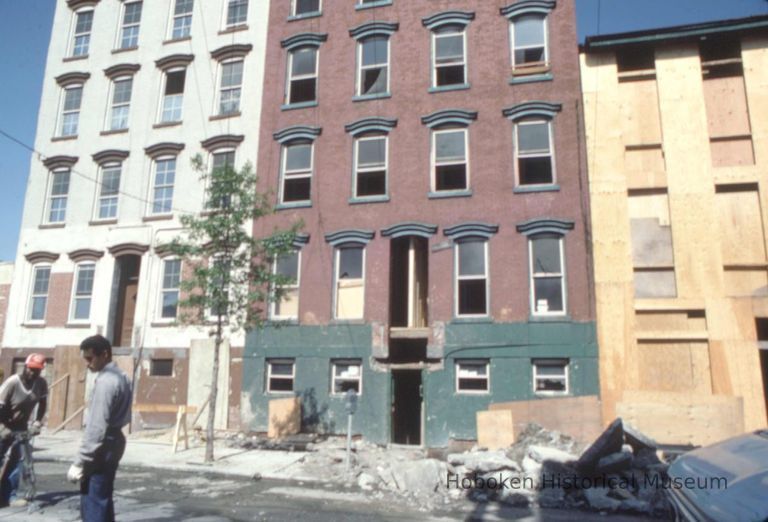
(509, 348)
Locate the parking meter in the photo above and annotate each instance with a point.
(350, 404)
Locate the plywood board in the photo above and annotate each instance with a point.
(284, 417)
(495, 429)
(200, 377)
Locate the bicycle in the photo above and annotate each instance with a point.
(27, 479)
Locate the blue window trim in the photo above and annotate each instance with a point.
(545, 225)
(449, 116)
(304, 16)
(292, 204)
(303, 40)
(370, 5)
(368, 97)
(349, 235)
(384, 198)
(476, 229)
(455, 87)
(443, 194)
(524, 7)
(528, 189)
(486, 319)
(541, 109)
(565, 318)
(461, 18)
(410, 228)
(374, 124)
(517, 80)
(373, 29)
(296, 132)
(302, 105)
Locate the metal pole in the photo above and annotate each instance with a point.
(349, 438)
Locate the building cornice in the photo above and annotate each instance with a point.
(448, 18)
(174, 60)
(222, 141)
(41, 256)
(85, 254)
(231, 51)
(72, 77)
(374, 124)
(164, 148)
(121, 69)
(108, 155)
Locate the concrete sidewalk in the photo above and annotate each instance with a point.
(145, 452)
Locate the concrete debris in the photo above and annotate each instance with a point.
(483, 461)
(637, 440)
(542, 453)
(610, 441)
(598, 499)
(614, 462)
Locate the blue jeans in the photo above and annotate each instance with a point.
(96, 504)
(9, 482)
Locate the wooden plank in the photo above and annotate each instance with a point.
(161, 408)
(61, 426)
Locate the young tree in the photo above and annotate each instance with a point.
(229, 278)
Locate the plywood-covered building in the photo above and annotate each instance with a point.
(677, 142)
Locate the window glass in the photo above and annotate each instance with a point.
(131, 21)
(306, 6)
(231, 79)
(237, 12)
(351, 263)
(182, 19)
(170, 292)
(83, 292)
(59, 191)
(165, 176)
(108, 192)
(41, 280)
(83, 26)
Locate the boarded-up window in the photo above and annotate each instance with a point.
(675, 366)
(636, 63)
(652, 255)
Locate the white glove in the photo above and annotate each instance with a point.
(75, 473)
(35, 428)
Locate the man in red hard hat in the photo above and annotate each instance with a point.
(19, 395)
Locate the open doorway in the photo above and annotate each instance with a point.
(407, 403)
(408, 282)
(126, 288)
(761, 325)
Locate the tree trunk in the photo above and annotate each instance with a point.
(212, 396)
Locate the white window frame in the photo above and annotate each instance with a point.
(462, 62)
(225, 16)
(110, 123)
(230, 88)
(64, 112)
(125, 26)
(458, 278)
(435, 164)
(75, 35)
(359, 169)
(512, 47)
(546, 275)
(292, 378)
(380, 65)
(565, 363)
(163, 97)
(298, 174)
(291, 78)
(459, 375)
(294, 4)
(101, 197)
(163, 290)
(295, 286)
(550, 154)
(51, 197)
(153, 186)
(336, 279)
(75, 297)
(335, 378)
(174, 17)
(33, 295)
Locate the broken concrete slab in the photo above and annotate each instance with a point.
(424, 476)
(483, 461)
(542, 453)
(610, 441)
(614, 462)
(638, 440)
(598, 499)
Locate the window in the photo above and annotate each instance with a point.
(57, 199)
(350, 282)
(182, 19)
(38, 299)
(472, 376)
(550, 376)
(70, 111)
(287, 267)
(169, 298)
(82, 35)
(371, 166)
(449, 63)
(108, 191)
(280, 375)
(162, 190)
(221, 159)
(346, 375)
(547, 277)
(173, 95)
(534, 152)
(304, 7)
(529, 41)
(302, 80)
(297, 172)
(121, 102)
(373, 62)
(471, 277)
(129, 32)
(449, 160)
(229, 93)
(161, 368)
(80, 309)
(237, 12)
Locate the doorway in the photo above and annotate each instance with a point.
(408, 282)
(407, 401)
(127, 270)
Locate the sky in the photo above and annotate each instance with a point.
(25, 27)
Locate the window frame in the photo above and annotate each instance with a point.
(225, 18)
(535, 120)
(164, 97)
(151, 371)
(361, 68)
(295, 286)
(32, 295)
(123, 26)
(50, 197)
(472, 362)
(547, 275)
(336, 267)
(523, 68)
(64, 112)
(270, 376)
(212, 154)
(72, 47)
(174, 17)
(458, 277)
(167, 290)
(153, 186)
(112, 106)
(304, 173)
(566, 363)
(220, 89)
(103, 168)
(437, 35)
(315, 75)
(296, 14)
(358, 170)
(335, 378)
(434, 162)
(74, 297)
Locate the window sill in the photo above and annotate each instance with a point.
(282, 393)
(297, 204)
(75, 58)
(163, 324)
(551, 394)
(99, 222)
(125, 50)
(301, 105)
(545, 77)
(33, 325)
(279, 322)
(64, 138)
(77, 325)
(536, 188)
(455, 87)
(486, 319)
(174, 40)
(234, 29)
(343, 322)
(304, 16)
(474, 393)
(46, 226)
(371, 5)
(165, 124)
(159, 217)
(369, 199)
(217, 117)
(111, 132)
(449, 194)
(368, 97)
(553, 318)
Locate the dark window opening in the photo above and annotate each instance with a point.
(303, 90)
(371, 183)
(634, 59)
(535, 171)
(450, 177)
(161, 368)
(297, 189)
(174, 82)
(472, 297)
(450, 75)
(720, 58)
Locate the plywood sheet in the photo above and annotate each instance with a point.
(284, 417)
(200, 378)
(495, 429)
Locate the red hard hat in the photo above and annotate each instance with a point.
(35, 361)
